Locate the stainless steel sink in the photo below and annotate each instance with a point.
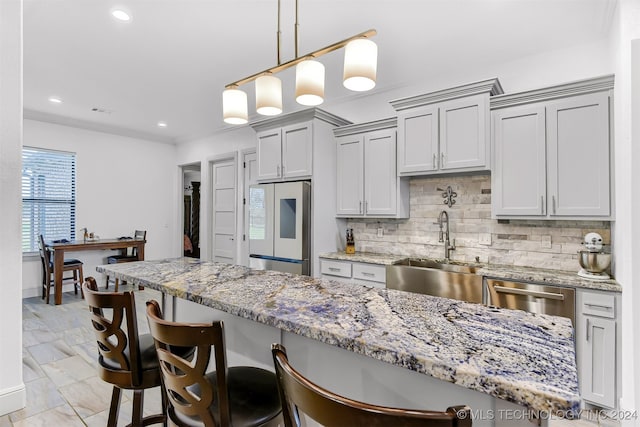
(432, 277)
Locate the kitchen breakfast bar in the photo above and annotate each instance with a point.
(381, 346)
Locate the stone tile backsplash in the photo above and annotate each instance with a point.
(551, 244)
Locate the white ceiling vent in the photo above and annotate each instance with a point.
(101, 110)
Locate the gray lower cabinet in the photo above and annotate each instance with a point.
(552, 158)
(596, 338)
(373, 275)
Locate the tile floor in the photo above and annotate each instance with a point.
(59, 372)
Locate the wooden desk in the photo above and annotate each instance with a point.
(59, 249)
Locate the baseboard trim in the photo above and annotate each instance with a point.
(13, 399)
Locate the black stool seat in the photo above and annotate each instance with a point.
(115, 259)
(253, 397)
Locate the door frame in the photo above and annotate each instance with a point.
(180, 231)
(243, 254)
(211, 161)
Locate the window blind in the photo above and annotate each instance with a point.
(48, 196)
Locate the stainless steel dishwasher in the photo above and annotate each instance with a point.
(533, 298)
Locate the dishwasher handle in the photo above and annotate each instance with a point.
(527, 292)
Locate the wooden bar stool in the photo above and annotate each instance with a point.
(125, 359)
(125, 256)
(239, 396)
(332, 410)
(73, 265)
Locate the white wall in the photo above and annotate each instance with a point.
(626, 231)
(122, 184)
(12, 390)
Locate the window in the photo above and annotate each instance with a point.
(48, 196)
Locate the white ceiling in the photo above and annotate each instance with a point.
(172, 60)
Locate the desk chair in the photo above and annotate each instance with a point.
(125, 359)
(48, 279)
(332, 410)
(127, 255)
(240, 395)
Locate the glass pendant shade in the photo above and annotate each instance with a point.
(268, 95)
(310, 82)
(234, 107)
(360, 64)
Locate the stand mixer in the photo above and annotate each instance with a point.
(594, 260)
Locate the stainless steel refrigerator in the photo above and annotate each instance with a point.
(280, 227)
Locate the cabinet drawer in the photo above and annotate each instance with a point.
(336, 268)
(373, 273)
(600, 305)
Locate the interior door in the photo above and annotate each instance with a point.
(250, 168)
(223, 176)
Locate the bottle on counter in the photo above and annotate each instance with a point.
(351, 244)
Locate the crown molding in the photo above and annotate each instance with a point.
(578, 87)
(298, 117)
(389, 123)
(491, 86)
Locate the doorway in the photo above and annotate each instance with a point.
(191, 210)
(223, 213)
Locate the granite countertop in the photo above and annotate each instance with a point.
(506, 272)
(551, 277)
(521, 357)
(369, 257)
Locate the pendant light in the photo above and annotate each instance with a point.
(360, 64)
(234, 106)
(359, 74)
(310, 82)
(268, 95)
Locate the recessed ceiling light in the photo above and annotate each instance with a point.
(121, 15)
(55, 100)
(162, 124)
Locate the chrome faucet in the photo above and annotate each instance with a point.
(443, 219)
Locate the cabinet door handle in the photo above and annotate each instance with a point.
(334, 269)
(435, 159)
(360, 207)
(278, 170)
(443, 157)
(366, 206)
(366, 273)
(282, 170)
(606, 307)
(587, 329)
(553, 203)
(542, 205)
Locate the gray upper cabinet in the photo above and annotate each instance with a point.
(285, 153)
(445, 131)
(552, 152)
(367, 181)
(289, 146)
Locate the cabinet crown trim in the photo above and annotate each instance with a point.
(366, 127)
(578, 87)
(298, 117)
(491, 86)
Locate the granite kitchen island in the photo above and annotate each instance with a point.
(384, 346)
